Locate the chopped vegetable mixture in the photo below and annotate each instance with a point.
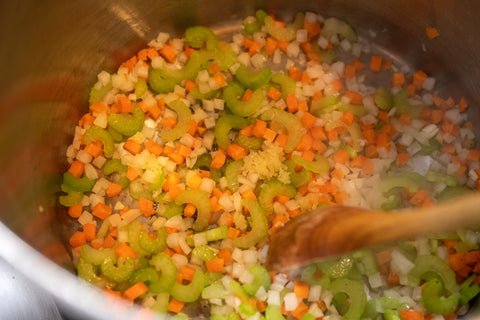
(196, 151)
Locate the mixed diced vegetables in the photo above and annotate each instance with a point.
(196, 151)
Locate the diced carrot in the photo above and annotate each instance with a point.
(175, 306)
(300, 310)
(358, 65)
(247, 95)
(101, 211)
(274, 94)
(341, 156)
(282, 45)
(113, 190)
(306, 79)
(177, 158)
(249, 194)
(130, 63)
(109, 242)
(77, 239)
(405, 119)
(337, 85)
(308, 120)
(318, 133)
(366, 164)
(259, 128)
(172, 180)
(189, 210)
(135, 291)
(292, 103)
(194, 181)
(124, 104)
(124, 250)
(215, 265)
(233, 233)
(155, 112)
(371, 151)
(226, 255)
(281, 140)
(418, 79)
(462, 105)
(376, 63)
(132, 146)
(305, 143)
(76, 168)
(301, 289)
(75, 211)
(236, 151)
(421, 198)
(98, 107)
(168, 122)
(187, 272)
(348, 117)
(269, 134)
(168, 53)
(270, 45)
(86, 120)
(431, 32)
(189, 85)
(302, 106)
(153, 147)
(411, 314)
(308, 155)
(146, 207)
(473, 155)
(402, 158)
(132, 173)
(383, 141)
(350, 71)
(295, 73)
(393, 279)
(332, 134)
(398, 79)
(411, 89)
(337, 174)
(95, 149)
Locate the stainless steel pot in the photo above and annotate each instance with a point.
(52, 50)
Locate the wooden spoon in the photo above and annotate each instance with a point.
(331, 231)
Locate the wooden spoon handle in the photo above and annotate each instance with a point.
(336, 230)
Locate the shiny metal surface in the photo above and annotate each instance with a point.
(52, 50)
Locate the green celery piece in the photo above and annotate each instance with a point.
(96, 256)
(195, 92)
(381, 303)
(232, 95)
(355, 109)
(273, 312)
(197, 36)
(168, 273)
(288, 85)
(215, 290)
(77, 184)
(308, 316)
(114, 165)
(161, 80)
(289, 32)
(225, 123)
(252, 27)
(204, 252)
(86, 271)
(201, 201)
(384, 99)
(433, 176)
(189, 292)
(203, 161)
(255, 80)
(434, 301)
(251, 143)
(95, 133)
(232, 171)
(366, 258)
(290, 122)
(161, 302)
(141, 88)
(412, 181)
(468, 291)
(320, 165)
(428, 265)
(308, 275)
(117, 136)
(432, 146)
(134, 229)
(118, 273)
(391, 315)
(146, 275)
(212, 277)
(138, 190)
(159, 180)
(334, 26)
(180, 316)
(324, 105)
(238, 290)
(127, 124)
(323, 56)
(403, 106)
(71, 199)
(300, 178)
(262, 279)
(213, 234)
(356, 293)
(153, 246)
(452, 192)
(98, 94)
(184, 119)
(259, 225)
(173, 210)
(336, 268)
(272, 189)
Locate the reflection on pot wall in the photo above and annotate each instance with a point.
(51, 53)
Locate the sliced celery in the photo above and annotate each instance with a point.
(168, 273)
(127, 124)
(259, 225)
(272, 189)
(189, 292)
(95, 133)
(197, 36)
(77, 184)
(232, 171)
(287, 33)
(426, 265)
(232, 95)
(225, 123)
(255, 80)
(201, 201)
(262, 279)
(356, 294)
(287, 84)
(118, 273)
(320, 165)
(251, 143)
(334, 26)
(153, 246)
(290, 122)
(184, 119)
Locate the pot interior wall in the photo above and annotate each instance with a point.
(52, 51)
